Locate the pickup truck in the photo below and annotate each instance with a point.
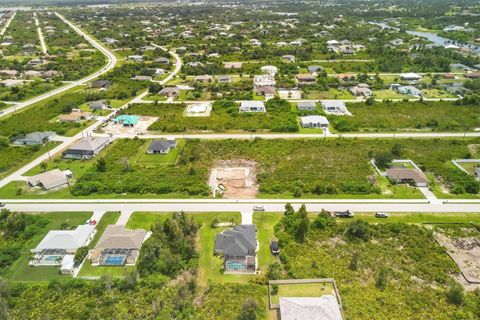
(344, 214)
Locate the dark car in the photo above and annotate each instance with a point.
(2, 204)
(344, 214)
(274, 247)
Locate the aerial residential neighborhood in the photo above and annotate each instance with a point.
(244, 160)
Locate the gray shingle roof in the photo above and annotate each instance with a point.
(240, 240)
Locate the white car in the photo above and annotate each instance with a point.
(381, 215)
(258, 208)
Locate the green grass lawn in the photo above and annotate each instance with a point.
(390, 94)
(421, 218)
(330, 94)
(302, 290)
(265, 222)
(21, 271)
(108, 218)
(97, 271)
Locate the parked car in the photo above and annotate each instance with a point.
(258, 208)
(274, 247)
(344, 214)
(2, 204)
(381, 215)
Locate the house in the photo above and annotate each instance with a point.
(161, 146)
(204, 78)
(33, 139)
(288, 57)
(266, 91)
(127, 120)
(271, 70)
(314, 122)
(239, 247)
(407, 175)
(86, 148)
(200, 109)
(58, 247)
(306, 78)
(224, 79)
(98, 105)
(170, 92)
(135, 57)
(409, 90)
(11, 82)
(118, 246)
(50, 74)
(252, 106)
(314, 69)
(325, 307)
(48, 180)
(232, 65)
(472, 75)
(9, 73)
(410, 76)
(101, 84)
(306, 106)
(162, 60)
(264, 80)
(362, 89)
(333, 106)
(35, 62)
(142, 78)
(159, 71)
(75, 116)
(32, 74)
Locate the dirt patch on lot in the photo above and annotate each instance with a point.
(234, 179)
(466, 254)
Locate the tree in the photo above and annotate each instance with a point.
(303, 225)
(383, 159)
(456, 295)
(249, 310)
(101, 165)
(354, 262)
(358, 229)
(43, 166)
(324, 220)
(381, 280)
(80, 255)
(397, 150)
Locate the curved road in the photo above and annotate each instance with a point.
(178, 64)
(112, 60)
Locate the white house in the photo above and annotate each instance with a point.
(314, 122)
(252, 106)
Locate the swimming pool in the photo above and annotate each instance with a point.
(232, 265)
(114, 261)
(52, 259)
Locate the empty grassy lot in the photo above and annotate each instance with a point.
(431, 116)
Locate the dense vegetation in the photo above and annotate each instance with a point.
(383, 271)
(225, 116)
(294, 166)
(435, 116)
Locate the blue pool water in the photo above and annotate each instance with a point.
(114, 260)
(235, 265)
(51, 258)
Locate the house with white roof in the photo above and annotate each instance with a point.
(334, 106)
(58, 247)
(314, 122)
(312, 308)
(252, 106)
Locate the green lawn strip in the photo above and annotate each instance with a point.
(108, 218)
(97, 271)
(21, 271)
(265, 222)
(302, 290)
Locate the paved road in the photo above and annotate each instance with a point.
(40, 34)
(7, 24)
(112, 60)
(320, 135)
(178, 64)
(215, 205)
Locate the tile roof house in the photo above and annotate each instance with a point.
(239, 247)
(306, 106)
(252, 106)
(319, 308)
(161, 146)
(333, 106)
(407, 175)
(86, 148)
(98, 105)
(101, 84)
(48, 180)
(314, 122)
(266, 91)
(306, 78)
(33, 138)
(118, 246)
(170, 92)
